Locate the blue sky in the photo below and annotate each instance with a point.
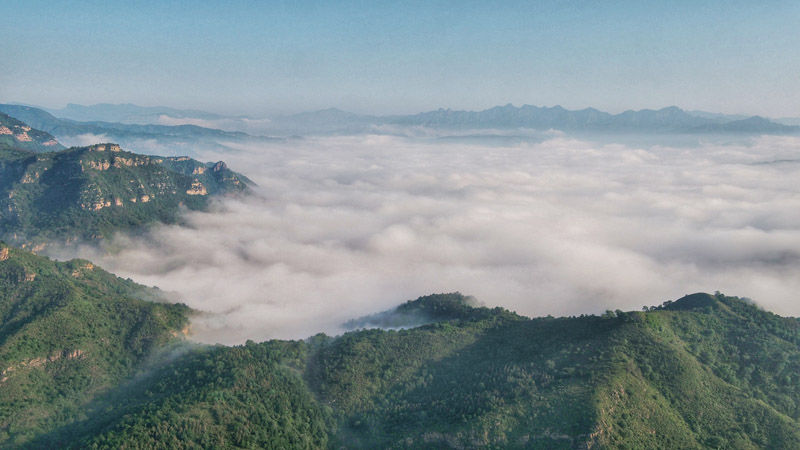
(258, 57)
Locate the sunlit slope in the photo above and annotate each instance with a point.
(706, 371)
(90, 192)
(714, 373)
(69, 331)
(710, 373)
(250, 396)
(15, 134)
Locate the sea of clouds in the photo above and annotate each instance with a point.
(339, 227)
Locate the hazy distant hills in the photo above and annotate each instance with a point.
(666, 120)
(125, 123)
(127, 113)
(122, 133)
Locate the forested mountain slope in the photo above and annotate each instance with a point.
(69, 331)
(706, 371)
(90, 192)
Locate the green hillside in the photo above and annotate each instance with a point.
(68, 332)
(90, 192)
(712, 373)
(18, 135)
(705, 371)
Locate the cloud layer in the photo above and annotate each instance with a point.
(346, 226)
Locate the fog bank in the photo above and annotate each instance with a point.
(340, 227)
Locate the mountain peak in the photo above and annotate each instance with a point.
(697, 300)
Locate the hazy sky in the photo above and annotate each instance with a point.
(259, 57)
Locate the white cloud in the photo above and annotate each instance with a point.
(244, 124)
(82, 140)
(345, 226)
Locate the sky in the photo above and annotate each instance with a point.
(261, 58)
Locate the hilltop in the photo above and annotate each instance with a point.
(90, 192)
(704, 371)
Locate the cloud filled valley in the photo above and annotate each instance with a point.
(345, 226)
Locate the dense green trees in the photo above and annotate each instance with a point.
(86, 363)
(91, 192)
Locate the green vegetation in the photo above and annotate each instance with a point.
(705, 371)
(90, 192)
(18, 135)
(69, 331)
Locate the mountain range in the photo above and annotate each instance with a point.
(137, 122)
(91, 360)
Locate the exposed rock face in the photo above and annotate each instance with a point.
(40, 362)
(99, 165)
(18, 135)
(197, 188)
(23, 137)
(104, 147)
(78, 273)
(113, 189)
(30, 177)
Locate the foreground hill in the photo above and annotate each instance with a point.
(705, 371)
(90, 192)
(69, 331)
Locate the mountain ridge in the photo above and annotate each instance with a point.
(671, 119)
(15, 134)
(697, 372)
(90, 192)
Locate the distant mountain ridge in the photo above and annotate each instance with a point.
(126, 113)
(669, 120)
(91, 192)
(666, 120)
(122, 133)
